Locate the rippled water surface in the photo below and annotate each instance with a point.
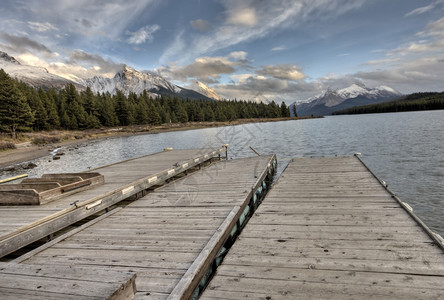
(403, 149)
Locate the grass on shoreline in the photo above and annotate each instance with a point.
(57, 136)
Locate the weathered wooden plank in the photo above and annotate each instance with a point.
(147, 295)
(261, 227)
(332, 276)
(370, 255)
(330, 229)
(137, 239)
(154, 240)
(335, 220)
(315, 290)
(365, 244)
(185, 287)
(339, 236)
(161, 166)
(308, 263)
(14, 294)
(64, 236)
(45, 281)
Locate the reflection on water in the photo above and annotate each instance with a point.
(403, 149)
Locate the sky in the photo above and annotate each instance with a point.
(282, 50)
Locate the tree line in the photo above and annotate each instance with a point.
(412, 102)
(23, 108)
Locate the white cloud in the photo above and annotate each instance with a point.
(420, 10)
(422, 74)
(260, 88)
(142, 35)
(80, 65)
(206, 69)
(382, 61)
(435, 28)
(424, 9)
(80, 21)
(241, 78)
(42, 27)
(238, 55)
(260, 19)
(23, 44)
(282, 71)
(95, 61)
(279, 48)
(433, 42)
(243, 16)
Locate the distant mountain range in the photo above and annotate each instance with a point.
(128, 80)
(334, 100)
(131, 80)
(33, 76)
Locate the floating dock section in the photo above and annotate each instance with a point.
(171, 239)
(329, 229)
(25, 224)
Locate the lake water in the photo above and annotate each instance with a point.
(403, 149)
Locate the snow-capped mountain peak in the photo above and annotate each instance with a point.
(207, 91)
(129, 80)
(353, 91)
(354, 95)
(33, 75)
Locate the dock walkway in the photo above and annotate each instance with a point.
(173, 237)
(330, 230)
(24, 224)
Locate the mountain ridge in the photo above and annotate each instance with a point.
(128, 80)
(330, 100)
(37, 77)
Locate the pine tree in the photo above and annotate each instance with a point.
(107, 114)
(285, 111)
(273, 110)
(142, 113)
(122, 110)
(39, 110)
(182, 115)
(295, 113)
(90, 102)
(220, 116)
(15, 113)
(209, 114)
(78, 118)
(154, 117)
(49, 103)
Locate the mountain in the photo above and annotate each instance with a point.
(127, 80)
(334, 100)
(130, 80)
(33, 76)
(207, 91)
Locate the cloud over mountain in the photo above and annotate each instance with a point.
(276, 49)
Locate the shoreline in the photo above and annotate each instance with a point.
(26, 151)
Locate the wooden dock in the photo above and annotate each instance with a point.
(22, 225)
(64, 282)
(329, 229)
(172, 238)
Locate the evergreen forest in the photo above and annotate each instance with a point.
(23, 108)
